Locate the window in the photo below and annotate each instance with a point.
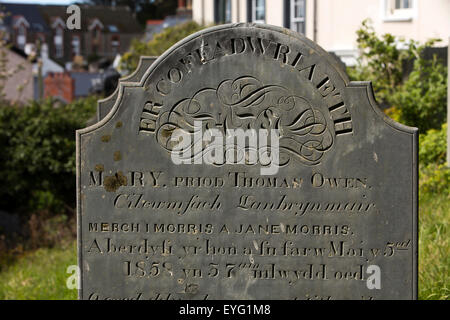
(58, 40)
(403, 4)
(96, 39)
(58, 26)
(113, 28)
(259, 11)
(76, 46)
(223, 11)
(297, 11)
(96, 34)
(228, 10)
(21, 36)
(20, 26)
(115, 44)
(399, 10)
(96, 29)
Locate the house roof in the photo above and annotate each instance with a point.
(30, 12)
(154, 22)
(114, 20)
(41, 17)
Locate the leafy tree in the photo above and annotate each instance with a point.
(158, 45)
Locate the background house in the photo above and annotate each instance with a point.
(84, 55)
(19, 87)
(333, 24)
(183, 14)
(105, 31)
(24, 24)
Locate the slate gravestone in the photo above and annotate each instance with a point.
(337, 219)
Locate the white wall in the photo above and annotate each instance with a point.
(275, 12)
(338, 20)
(432, 21)
(239, 11)
(203, 11)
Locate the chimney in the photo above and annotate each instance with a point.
(59, 85)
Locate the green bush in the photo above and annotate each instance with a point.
(417, 99)
(433, 146)
(38, 154)
(382, 60)
(158, 45)
(435, 179)
(434, 173)
(422, 98)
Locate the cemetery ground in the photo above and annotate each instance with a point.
(40, 274)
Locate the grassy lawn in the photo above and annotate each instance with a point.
(42, 274)
(39, 275)
(434, 247)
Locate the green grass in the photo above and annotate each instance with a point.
(39, 275)
(42, 274)
(434, 247)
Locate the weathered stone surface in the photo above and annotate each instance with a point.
(344, 197)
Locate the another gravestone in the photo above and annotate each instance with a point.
(106, 105)
(337, 219)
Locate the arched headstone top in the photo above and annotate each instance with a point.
(267, 52)
(242, 38)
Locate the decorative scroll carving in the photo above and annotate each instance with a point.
(247, 103)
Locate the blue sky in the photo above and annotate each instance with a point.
(39, 1)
